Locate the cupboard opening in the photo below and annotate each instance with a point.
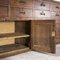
(14, 36)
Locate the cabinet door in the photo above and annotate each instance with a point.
(3, 13)
(43, 36)
(21, 3)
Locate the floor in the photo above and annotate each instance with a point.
(32, 55)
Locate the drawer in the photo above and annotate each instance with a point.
(54, 7)
(55, 15)
(41, 14)
(41, 5)
(21, 3)
(3, 11)
(4, 2)
(19, 13)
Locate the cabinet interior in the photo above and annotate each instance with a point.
(14, 35)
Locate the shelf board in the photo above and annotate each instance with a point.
(12, 49)
(13, 35)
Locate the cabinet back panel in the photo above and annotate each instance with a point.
(22, 27)
(7, 27)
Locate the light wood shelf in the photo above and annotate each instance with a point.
(13, 35)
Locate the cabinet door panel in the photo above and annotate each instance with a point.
(41, 5)
(42, 37)
(21, 3)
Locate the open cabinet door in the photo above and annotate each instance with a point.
(42, 35)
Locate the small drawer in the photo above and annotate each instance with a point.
(41, 14)
(3, 11)
(55, 15)
(41, 5)
(21, 3)
(4, 2)
(54, 7)
(21, 13)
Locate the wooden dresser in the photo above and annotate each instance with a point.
(29, 25)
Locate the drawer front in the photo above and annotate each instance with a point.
(55, 15)
(21, 3)
(54, 7)
(3, 12)
(4, 2)
(41, 5)
(41, 14)
(21, 13)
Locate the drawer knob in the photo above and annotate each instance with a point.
(42, 13)
(57, 7)
(42, 4)
(22, 12)
(22, 1)
(57, 15)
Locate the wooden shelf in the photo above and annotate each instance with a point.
(12, 49)
(7, 48)
(13, 35)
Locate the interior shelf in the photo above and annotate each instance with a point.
(12, 47)
(13, 35)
